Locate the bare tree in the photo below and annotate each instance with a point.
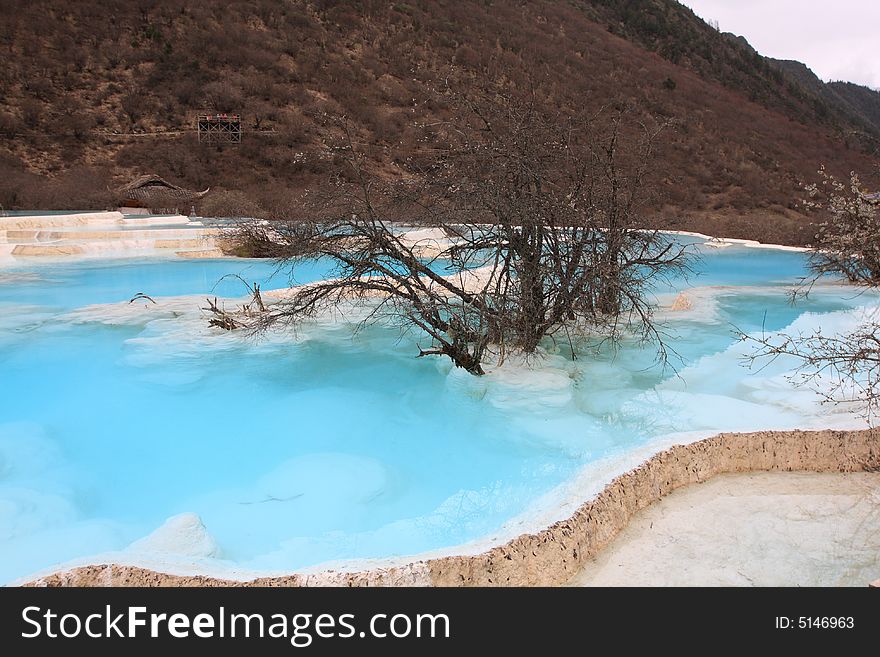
(376, 266)
(848, 243)
(541, 219)
(843, 369)
(558, 199)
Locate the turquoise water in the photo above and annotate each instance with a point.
(73, 285)
(328, 446)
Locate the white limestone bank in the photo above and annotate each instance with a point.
(755, 529)
(24, 238)
(116, 235)
(724, 242)
(183, 535)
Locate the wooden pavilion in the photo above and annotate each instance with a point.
(158, 195)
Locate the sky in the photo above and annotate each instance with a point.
(838, 39)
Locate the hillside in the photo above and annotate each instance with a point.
(863, 101)
(857, 108)
(677, 34)
(94, 94)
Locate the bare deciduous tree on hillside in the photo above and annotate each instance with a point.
(541, 222)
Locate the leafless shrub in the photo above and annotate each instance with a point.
(848, 243)
(229, 204)
(542, 224)
(220, 318)
(843, 369)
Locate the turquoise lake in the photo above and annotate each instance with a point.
(333, 445)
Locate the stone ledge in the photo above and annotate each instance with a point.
(555, 554)
(39, 250)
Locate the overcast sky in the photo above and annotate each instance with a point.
(838, 39)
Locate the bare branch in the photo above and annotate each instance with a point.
(539, 232)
